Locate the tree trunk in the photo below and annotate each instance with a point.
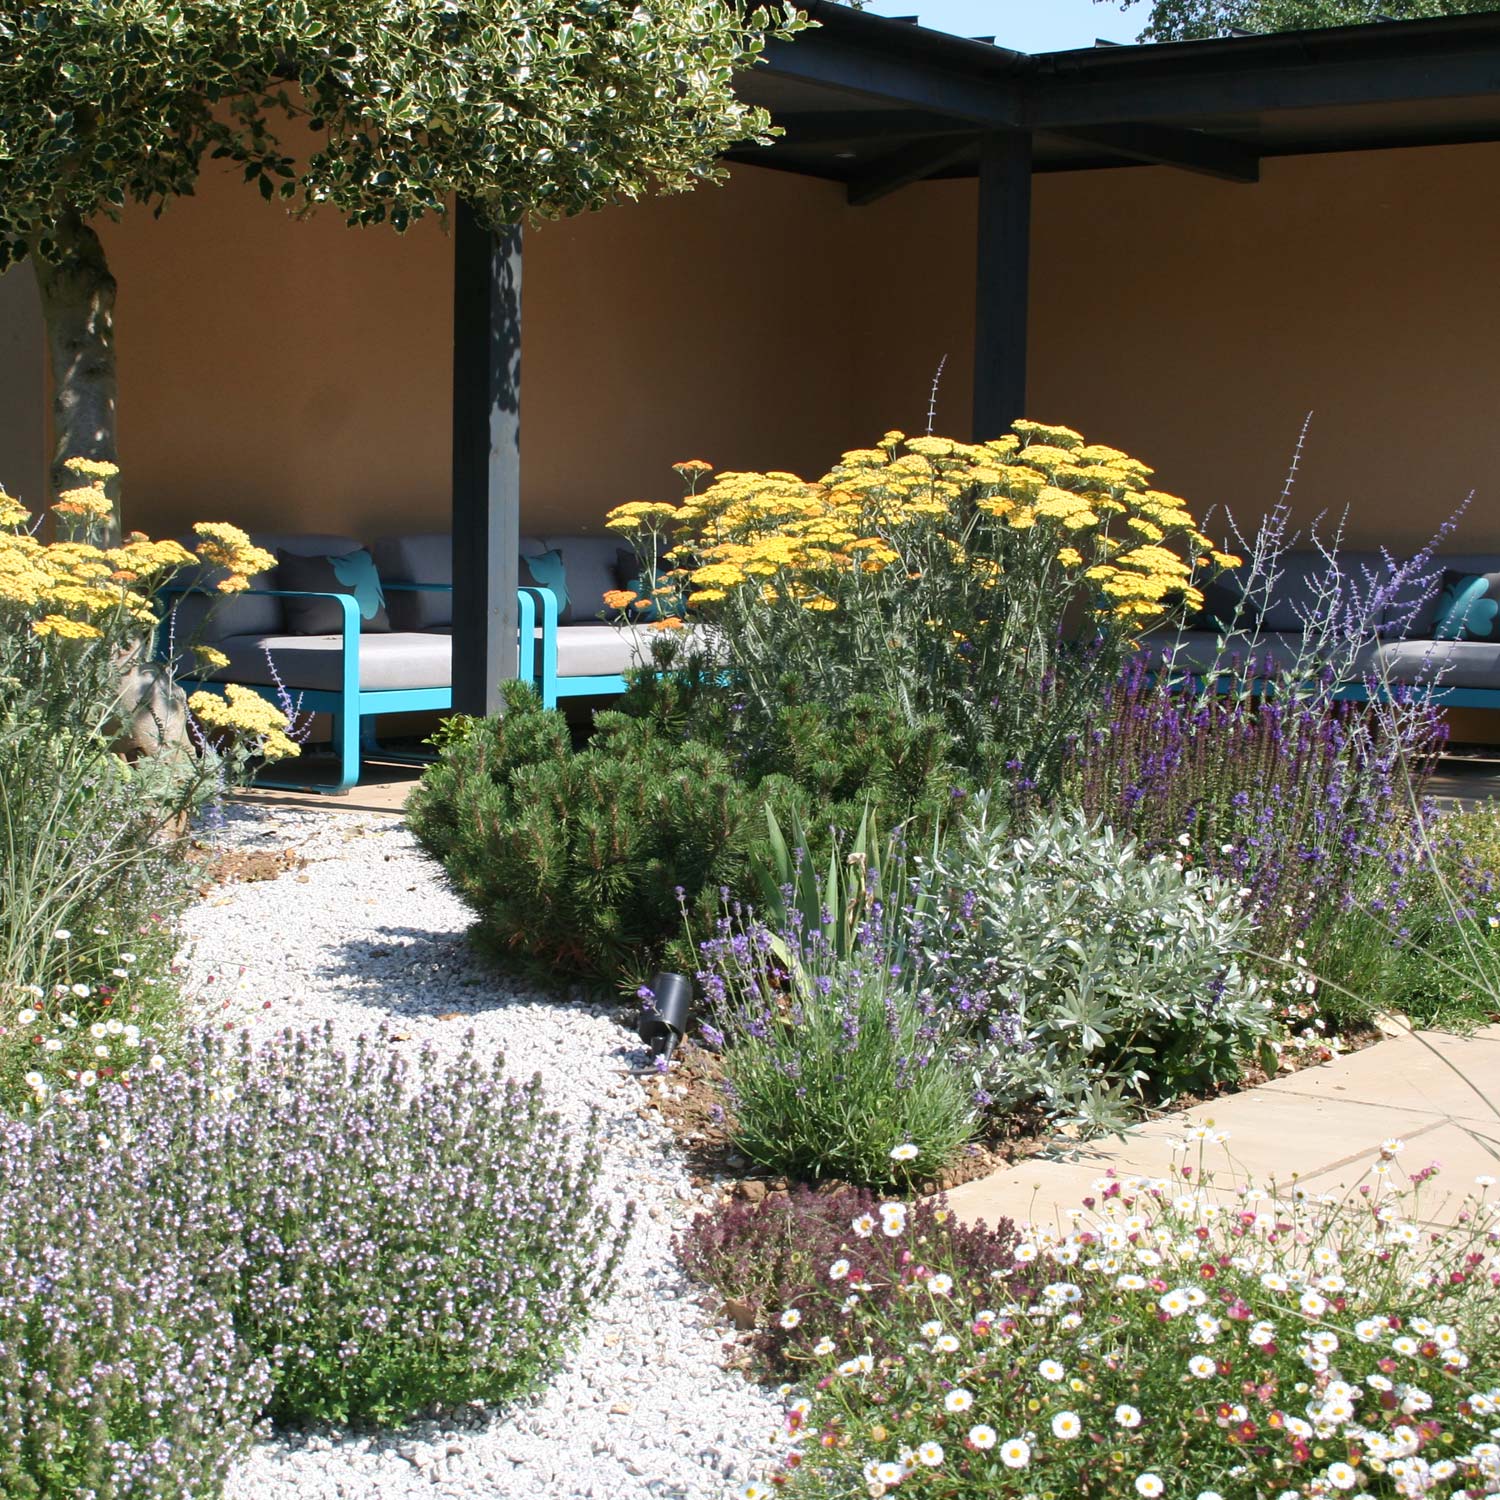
(78, 303)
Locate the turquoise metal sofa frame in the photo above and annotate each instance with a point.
(548, 682)
(350, 706)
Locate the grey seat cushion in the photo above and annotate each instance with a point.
(1466, 664)
(401, 660)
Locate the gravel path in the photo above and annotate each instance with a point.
(367, 932)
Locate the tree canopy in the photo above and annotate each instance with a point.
(382, 110)
(1184, 20)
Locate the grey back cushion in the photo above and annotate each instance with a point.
(1304, 575)
(424, 558)
(589, 562)
(214, 617)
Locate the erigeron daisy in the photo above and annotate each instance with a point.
(930, 1454)
(863, 1226)
(838, 1270)
(81, 990)
(1201, 1367)
(1341, 1476)
(1130, 1282)
(940, 1285)
(1209, 1495)
(25, 1017)
(906, 1152)
(1312, 1305)
(62, 934)
(1392, 1146)
(946, 1344)
(1065, 1425)
(1325, 1341)
(1015, 1454)
(1025, 1254)
(889, 1474)
(1149, 1485)
(790, 1318)
(1127, 1415)
(1049, 1369)
(88, 1078)
(753, 1491)
(824, 1346)
(958, 1400)
(982, 1437)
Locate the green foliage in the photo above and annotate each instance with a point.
(1183, 20)
(551, 107)
(1099, 977)
(573, 859)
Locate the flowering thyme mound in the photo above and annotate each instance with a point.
(404, 1234)
(120, 1371)
(1179, 1344)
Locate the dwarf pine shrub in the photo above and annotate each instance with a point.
(573, 859)
(121, 1373)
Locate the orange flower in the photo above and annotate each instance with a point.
(670, 623)
(619, 598)
(693, 466)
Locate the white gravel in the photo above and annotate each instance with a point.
(368, 932)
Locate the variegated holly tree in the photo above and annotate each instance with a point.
(384, 110)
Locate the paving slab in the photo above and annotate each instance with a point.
(1426, 1071)
(1321, 1127)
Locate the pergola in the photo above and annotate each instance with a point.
(878, 104)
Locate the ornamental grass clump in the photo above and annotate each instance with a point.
(1175, 1341)
(401, 1232)
(90, 841)
(121, 1370)
(996, 586)
(806, 1267)
(1093, 977)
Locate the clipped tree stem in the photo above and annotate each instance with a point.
(78, 303)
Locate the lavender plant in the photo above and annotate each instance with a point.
(1093, 975)
(837, 1066)
(402, 1233)
(121, 1372)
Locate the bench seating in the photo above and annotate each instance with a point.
(1459, 674)
(355, 675)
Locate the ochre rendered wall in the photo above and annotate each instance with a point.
(297, 374)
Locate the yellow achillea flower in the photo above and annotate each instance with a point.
(68, 630)
(770, 540)
(243, 712)
(210, 658)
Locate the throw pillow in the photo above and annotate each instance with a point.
(1467, 608)
(352, 573)
(544, 570)
(630, 572)
(1222, 606)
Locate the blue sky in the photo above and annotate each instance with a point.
(1027, 25)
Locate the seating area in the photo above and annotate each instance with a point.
(1449, 649)
(368, 630)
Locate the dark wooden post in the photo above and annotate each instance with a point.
(486, 459)
(1003, 281)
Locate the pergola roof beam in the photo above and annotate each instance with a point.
(1163, 145)
(910, 164)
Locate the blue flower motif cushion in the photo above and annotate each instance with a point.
(545, 570)
(352, 573)
(1468, 607)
